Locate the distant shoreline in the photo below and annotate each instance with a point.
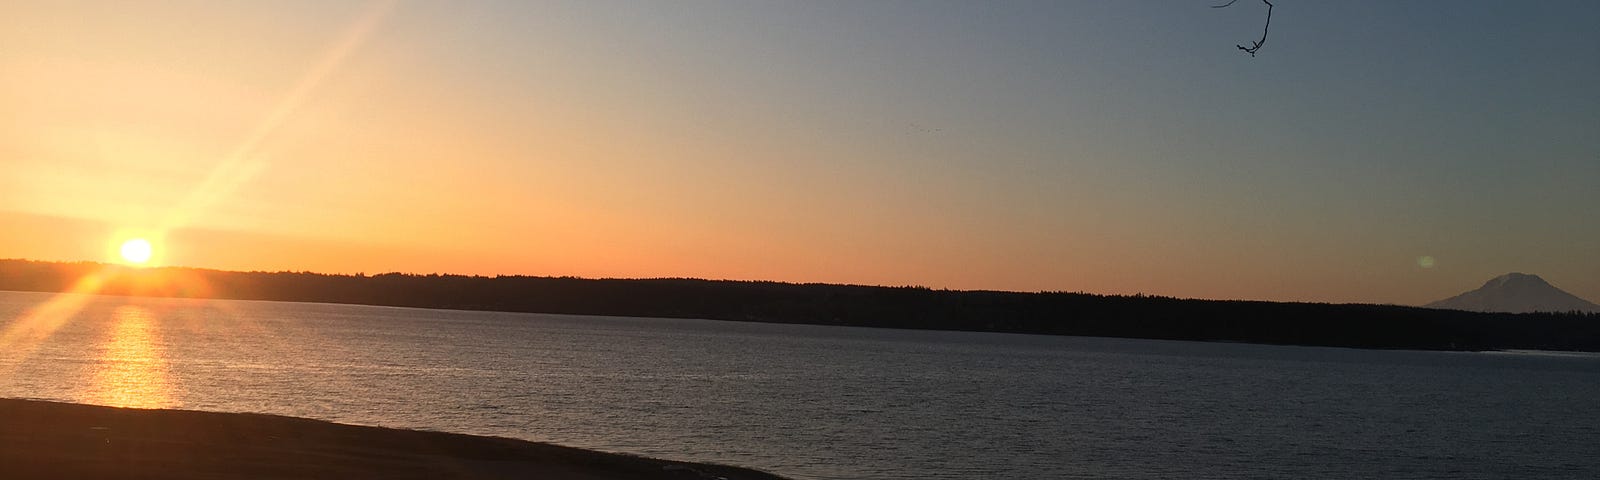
(1046, 313)
(49, 440)
(446, 309)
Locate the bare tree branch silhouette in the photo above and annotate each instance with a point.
(1256, 45)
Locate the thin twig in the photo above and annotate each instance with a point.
(1256, 45)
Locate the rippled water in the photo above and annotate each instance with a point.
(826, 402)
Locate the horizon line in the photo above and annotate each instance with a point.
(702, 279)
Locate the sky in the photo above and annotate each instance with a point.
(1375, 152)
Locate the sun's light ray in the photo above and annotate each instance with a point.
(23, 336)
(243, 163)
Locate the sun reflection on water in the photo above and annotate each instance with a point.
(132, 369)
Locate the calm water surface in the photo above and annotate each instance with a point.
(826, 402)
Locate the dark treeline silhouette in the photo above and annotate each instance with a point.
(1052, 313)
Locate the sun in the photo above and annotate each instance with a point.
(136, 250)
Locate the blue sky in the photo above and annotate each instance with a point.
(1115, 147)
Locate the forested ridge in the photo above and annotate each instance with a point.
(1050, 313)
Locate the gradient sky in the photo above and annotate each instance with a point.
(1108, 147)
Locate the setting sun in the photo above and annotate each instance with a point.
(136, 250)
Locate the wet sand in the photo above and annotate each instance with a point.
(60, 440)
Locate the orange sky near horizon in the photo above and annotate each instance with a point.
(839, 144)
(231, 250)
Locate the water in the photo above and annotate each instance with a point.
(814, 402)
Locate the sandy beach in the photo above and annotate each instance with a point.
(41, 439)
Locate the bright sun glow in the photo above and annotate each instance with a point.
(136, 250)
